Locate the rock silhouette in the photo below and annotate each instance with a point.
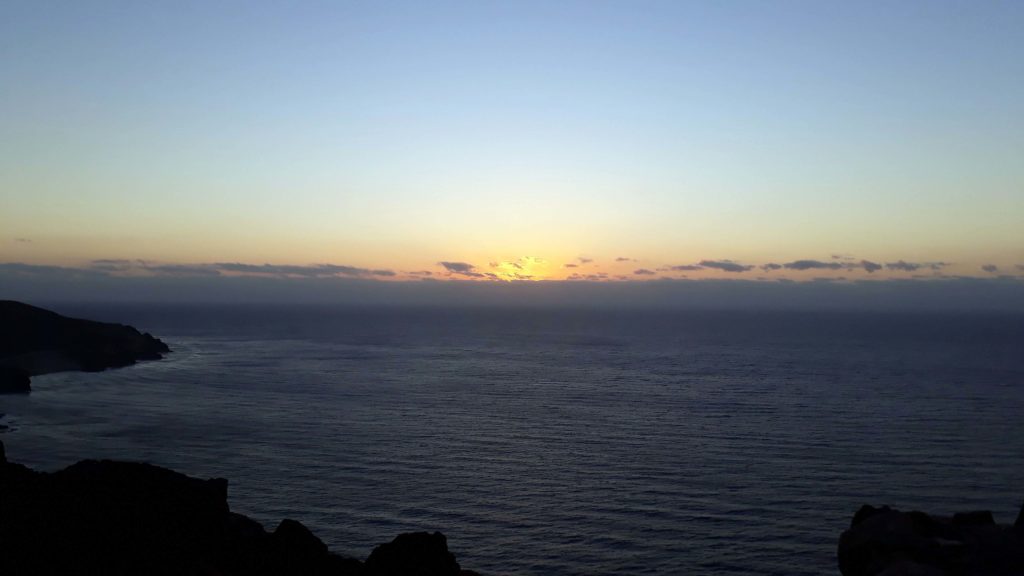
(415, 554)
(13, 380)
(884, 541)
(128, 518)
(36, 341)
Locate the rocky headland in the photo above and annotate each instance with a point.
(36, 341)
(128, 518)
(886, 542)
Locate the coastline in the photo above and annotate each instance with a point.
(36, 341)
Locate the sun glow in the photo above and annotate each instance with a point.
(524, 268)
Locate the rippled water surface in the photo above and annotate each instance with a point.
(552, 443)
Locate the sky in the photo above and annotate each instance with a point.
(495, 142)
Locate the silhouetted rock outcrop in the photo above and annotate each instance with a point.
(884, 541)
(13, 380)
(37, 341)
(414, 554)
(121, 518)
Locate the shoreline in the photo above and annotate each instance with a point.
(36, 341)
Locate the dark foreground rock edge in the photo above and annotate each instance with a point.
(886, 542)
(121, 518)
(35, 341)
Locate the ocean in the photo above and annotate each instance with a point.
(559, 442)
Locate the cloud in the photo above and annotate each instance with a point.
(869, 266)
(314, 271)
(23, 240)
(643, 272)
(842, 257)
(115, 265)
(583, 260)
(570, 265)
(23, 270)
(624, 259)
(990, 268)
(183, 270)
(903, 266)
(421, 273)
(770, 266)
(726, 265)
(461, 268)
(681, 268)
(813, 265)
(598, 277)
(41, 283)
(36, 269)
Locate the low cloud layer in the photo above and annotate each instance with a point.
(16, 269)
(813, 265)
(842, 262)
(180, 283)
(182, 270)
(461, 269)
(841, 280)
(596, 277)
(904, 266)
(124, 266)
(870, 267)
(914, 266)
(726, 265)
(524, 268)
(315, 271)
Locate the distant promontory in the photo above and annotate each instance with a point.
(35, 341)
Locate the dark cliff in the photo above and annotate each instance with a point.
(887, 542)
(37, 341)
(127, 518)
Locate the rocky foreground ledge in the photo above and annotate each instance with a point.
(127, 518)
(887, 542)
(36, 341)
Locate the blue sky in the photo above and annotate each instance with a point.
(401, 134)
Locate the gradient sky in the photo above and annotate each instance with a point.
(395, 136)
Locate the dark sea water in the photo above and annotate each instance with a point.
(560, 442)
